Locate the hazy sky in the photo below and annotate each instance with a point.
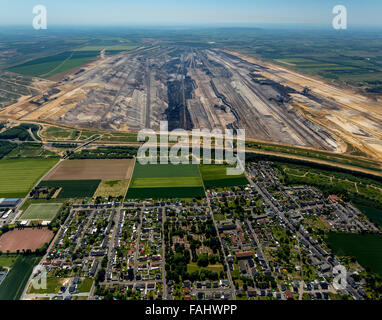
(170, 12)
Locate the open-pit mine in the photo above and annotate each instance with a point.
(207, 88)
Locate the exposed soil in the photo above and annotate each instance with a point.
(25, 239)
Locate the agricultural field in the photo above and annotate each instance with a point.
(165, 181)
(113, 188)
(13, 285)
(92, 169)
(43, 211)
(366, 248)
(353, 60)
(49, 66)
(373, 214)
(73, 188)
(108, 48)
(19, 176)
(215, 176)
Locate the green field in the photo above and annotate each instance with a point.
(165, 170)
(163, 181)
(43, 211)
(165, 193)
(367, 249)
(112, 48)
(166, 182)
(51, 65)
(13, 285)
(215, 176)
(19, 176)
(73, 188)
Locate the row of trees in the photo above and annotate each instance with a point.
(21, 132)
(106, 153)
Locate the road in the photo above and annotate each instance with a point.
(222, 247)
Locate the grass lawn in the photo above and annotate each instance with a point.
(367, 249)
(59, 133)
(19, 176)
(191, 267)
(85, 285)
(53, 286)
(219, 217)
(43, 211)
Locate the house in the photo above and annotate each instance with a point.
(252, 292)
(243, 266)
(333, 198)
(289, 295)
(72, 288)
(243, 254)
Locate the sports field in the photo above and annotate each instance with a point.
(163, 181)
(73, 188)
(24, 239)
(215, 176)
(43, 211)
(367, 248)
(92, 169)
(19, 176)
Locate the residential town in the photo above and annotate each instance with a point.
(259, 241)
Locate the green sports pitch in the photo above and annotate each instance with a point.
(41, 211)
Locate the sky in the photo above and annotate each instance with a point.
(190, 12)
